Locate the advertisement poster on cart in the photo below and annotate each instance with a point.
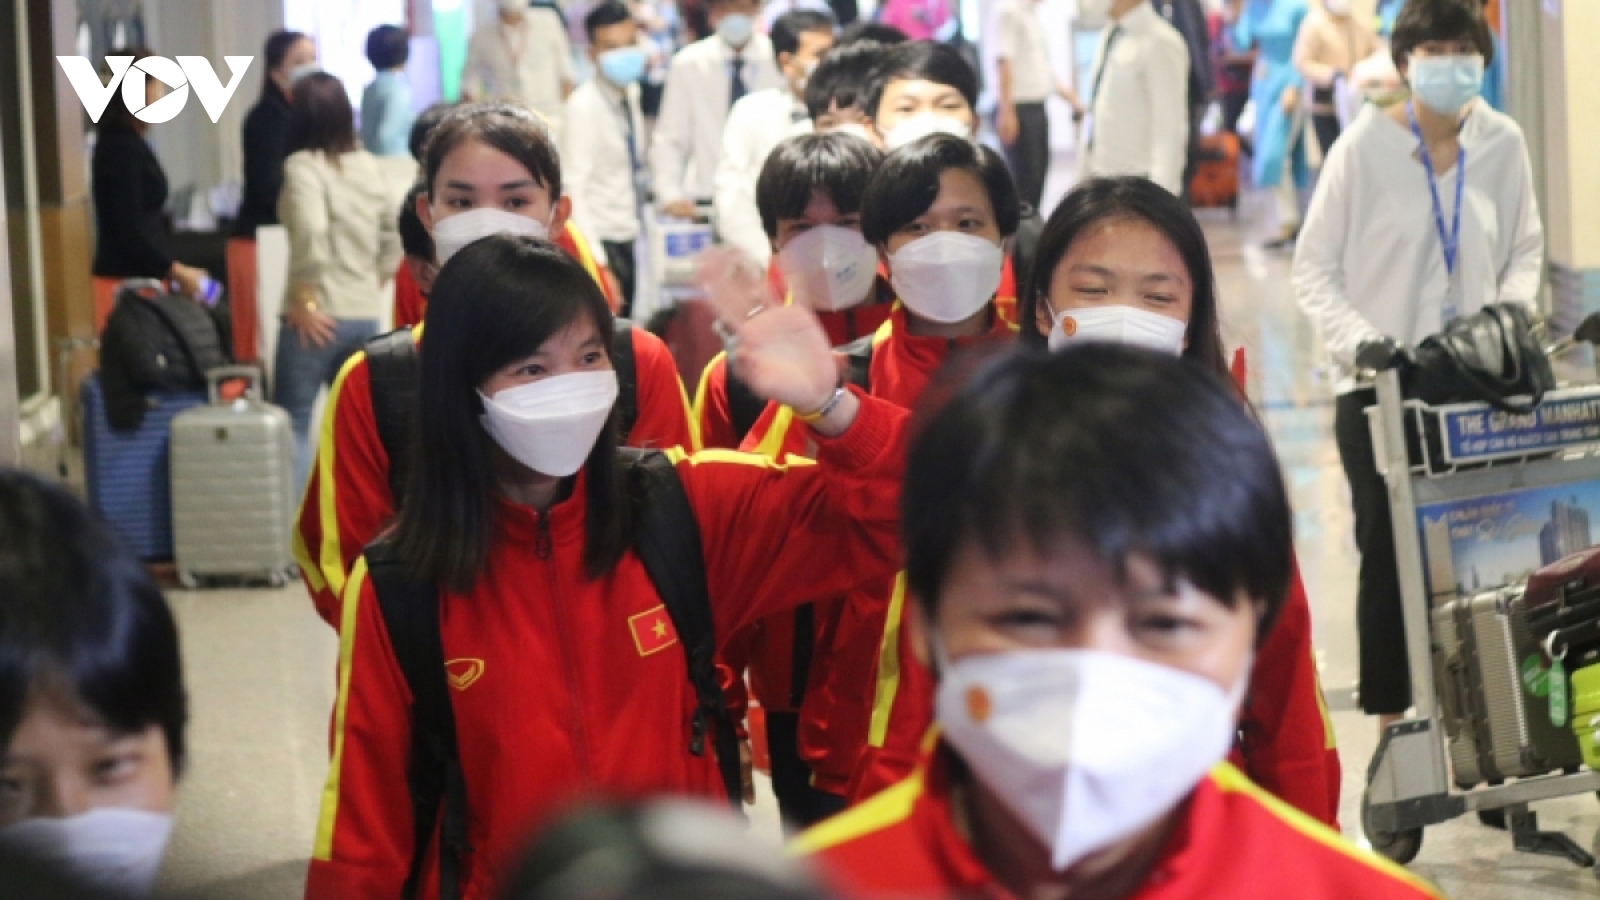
(1499, 540)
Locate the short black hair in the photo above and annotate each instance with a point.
(907, 183)
(423, 127)
(922, 61)
(1421, 21)
(388, 47)
(839, 77)
(415, 240)
(839, 165)
(604, 15)
(1122, 449)
(511, 129)
(877, 32)
(786, 31)
(79, 613)
(1128, 197)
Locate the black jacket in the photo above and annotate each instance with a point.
(266, 146)
(130, 196)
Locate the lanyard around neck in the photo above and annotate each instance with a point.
(1449, 241)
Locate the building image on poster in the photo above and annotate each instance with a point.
(1501, 539)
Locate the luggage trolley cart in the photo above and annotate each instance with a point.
(1432, 457)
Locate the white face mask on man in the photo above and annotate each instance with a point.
(920, 126)
(1116, 324)
(551, 425)
(1085, 747)
(117, 850)
(946, 276)
(829, 268)
(454, 232)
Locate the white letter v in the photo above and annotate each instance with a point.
(213, 96)
(84, 79)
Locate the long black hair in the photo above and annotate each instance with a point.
(277, 47)
(80, 616)
(1129, 197)
(495, 302)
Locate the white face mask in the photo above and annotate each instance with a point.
(299, 72)
(829, 268)
(512, 7)
(854, 129)
(946, 276)
(1117, 325)
(453, 233)
(1085, 747)
(920, 126)
(118, 850)
(551, 425)
(1336, 7)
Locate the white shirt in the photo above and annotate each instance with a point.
(1141, 113)
(526, 63)
(1020, 41)
(688, 138)
(343, 237)
(596, 171)
(1369, 262)
(756, 125)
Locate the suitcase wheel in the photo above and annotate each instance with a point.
(188, 580)
(276, 579)
(1400, 847)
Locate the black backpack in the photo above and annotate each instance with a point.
(667, 539)
(393, 369)
(154, 341)
(744, 407)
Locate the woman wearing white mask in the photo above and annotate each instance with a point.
(1124, 261)
(92, 705)
(1425, 212)
(1092, 614)
(522, 522)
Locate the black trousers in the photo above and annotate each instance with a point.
(619, 259)
(1197, 114)
(800, 804)
(1029, 157)
(1380, 625)
(1327, 126)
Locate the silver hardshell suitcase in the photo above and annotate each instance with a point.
(233, 491)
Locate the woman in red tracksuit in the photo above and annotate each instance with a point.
(552, 631)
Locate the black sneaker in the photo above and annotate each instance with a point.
(1285, 239)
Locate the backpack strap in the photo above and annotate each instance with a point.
(393, 371)
(435, 779)
(744, 407)
(858, 361)
(667, 539)
(627, 367)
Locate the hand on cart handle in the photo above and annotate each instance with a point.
(1381, 355)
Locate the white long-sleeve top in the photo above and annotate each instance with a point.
(1370, 263)
(688, 138)
(596, 171)
(526, 63)
(756, 125)
(341, 217)
(1141, 112)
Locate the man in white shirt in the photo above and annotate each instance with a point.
(1140, 105)
(602, 155)
(705, 80)
(521, 57)
(759, 121)
(1022, 62)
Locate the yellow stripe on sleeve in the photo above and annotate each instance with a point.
(332, 554)
(771, 445)
(323, 849)
(703, 388)
(886, 808)
(888, 684)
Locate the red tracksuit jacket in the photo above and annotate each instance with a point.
(567, 687)
(347, 499)
(1233, 841)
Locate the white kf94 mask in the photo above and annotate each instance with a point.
(452, 234)
(1119, 325)
(946, 276)
(829, 268)
(117, 850)
(551, 425)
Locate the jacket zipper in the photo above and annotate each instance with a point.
(543, 548)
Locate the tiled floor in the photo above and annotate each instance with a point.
(261, 664)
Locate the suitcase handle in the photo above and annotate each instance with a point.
(215, 378)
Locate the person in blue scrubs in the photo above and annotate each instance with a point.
(1280, 153)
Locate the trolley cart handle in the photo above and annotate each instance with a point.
(215, 378)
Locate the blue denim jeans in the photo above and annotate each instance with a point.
(300, 370)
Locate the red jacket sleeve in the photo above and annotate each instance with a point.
(347, 499)
(778, 535)
(364, 832)
(664, 417)
(1286, 734)
(711, 409)
(409, 304)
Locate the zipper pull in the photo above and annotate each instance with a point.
(542, 545)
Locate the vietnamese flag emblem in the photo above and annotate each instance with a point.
(652, 631)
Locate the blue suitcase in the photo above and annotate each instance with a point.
(126, 471)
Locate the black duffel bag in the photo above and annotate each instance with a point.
(154, 341)
(1488, 357)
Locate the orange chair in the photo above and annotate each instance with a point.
(242, 298)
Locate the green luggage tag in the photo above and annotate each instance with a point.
(1559, 710)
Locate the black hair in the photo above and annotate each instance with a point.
(388, 47)
(786, 31)
(415, 241)
(511, 129)
(907, 183)
(495, 302)
(1128, 197)
(277, 48)
(1122, 449)
(117, 114)
(1421, 21)
(604, 15)
(320, 117)
(79, 615)
(921, 61)
(422, 128)
(839, 76)
(839, 165)
(876, 32)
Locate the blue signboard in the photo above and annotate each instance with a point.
(1476, 433)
